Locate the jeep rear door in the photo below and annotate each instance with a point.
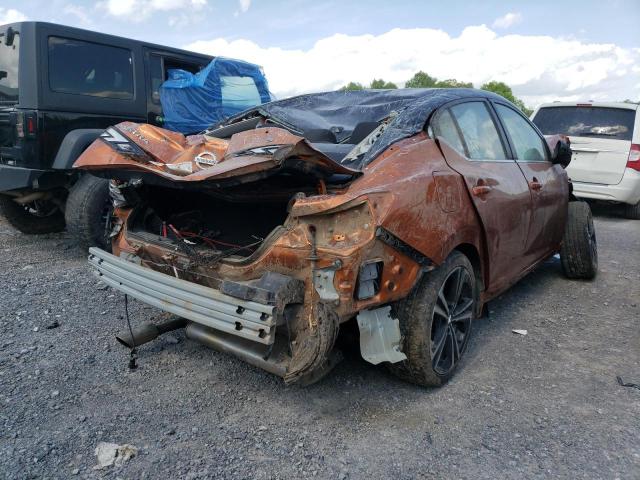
(472, 146)
(600, 139)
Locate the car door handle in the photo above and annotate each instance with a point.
(535, 184)
(480, 190)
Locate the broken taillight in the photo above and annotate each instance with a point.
(634, 157)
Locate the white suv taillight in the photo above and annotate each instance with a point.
(634, 157)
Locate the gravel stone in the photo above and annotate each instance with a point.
(542, 406)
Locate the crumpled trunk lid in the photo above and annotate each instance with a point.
(256, 152)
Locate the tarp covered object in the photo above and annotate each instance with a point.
(225, 87)
(338, 114)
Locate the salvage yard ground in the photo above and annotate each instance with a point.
(537, 406)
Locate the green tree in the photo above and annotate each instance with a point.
(453, 83)
(352, 86)
(504, 90)
(421, 80)
(380, 83)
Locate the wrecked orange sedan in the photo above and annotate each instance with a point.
(406, 210)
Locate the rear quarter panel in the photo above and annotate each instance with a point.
(430, 207)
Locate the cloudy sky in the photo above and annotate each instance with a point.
(546, 50)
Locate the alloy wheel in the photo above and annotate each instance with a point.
(451, 320)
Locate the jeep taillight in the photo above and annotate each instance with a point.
(634, 157)
(26, 124)
(20, 125)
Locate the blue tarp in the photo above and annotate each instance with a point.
(193, 102)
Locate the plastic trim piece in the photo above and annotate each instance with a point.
(379, 336)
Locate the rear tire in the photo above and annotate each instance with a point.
(32, 219)
(88, 211)
(579, 252)
(435, 322)
(632, 211)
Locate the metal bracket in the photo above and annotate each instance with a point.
(323, 283)
(379, 336)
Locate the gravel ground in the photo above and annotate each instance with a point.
(544, 405)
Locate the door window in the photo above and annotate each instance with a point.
(85, 68)
(526, 142)
(479, 132)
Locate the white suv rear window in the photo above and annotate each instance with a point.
(598, 122)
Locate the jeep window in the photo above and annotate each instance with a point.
(85, 68)
(445, 127)
(158, 67)
(526, 141)
(239, 93)
(587, 121)
(9, 69)
(478, 131)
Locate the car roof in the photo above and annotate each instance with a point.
(104, 37)
(341, 112)
(627, 105)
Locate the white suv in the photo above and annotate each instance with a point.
(605, 139)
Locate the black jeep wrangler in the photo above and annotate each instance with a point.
(60, 87)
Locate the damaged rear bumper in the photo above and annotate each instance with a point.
(203, 305)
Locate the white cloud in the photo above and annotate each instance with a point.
(244, 5)
(508, 20)
(10, 15)
(538, 68)
(80, 13)
(139, 10)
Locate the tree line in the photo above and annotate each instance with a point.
(424, 80)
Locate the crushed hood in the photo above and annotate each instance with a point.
(145, 148)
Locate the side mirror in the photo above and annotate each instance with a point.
(560, 147)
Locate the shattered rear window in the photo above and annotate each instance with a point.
(598, 122)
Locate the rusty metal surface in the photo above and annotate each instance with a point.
(175, 157)
(411, 207)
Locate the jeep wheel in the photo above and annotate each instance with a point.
(88, 211)
(632, 211)
(435, 321)
(39, 216)
(579, 252)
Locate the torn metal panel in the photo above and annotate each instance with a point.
(172, 156)
(379, 336)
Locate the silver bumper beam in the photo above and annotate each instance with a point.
(203, 305)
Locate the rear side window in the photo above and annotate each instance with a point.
(598, 122)
(85, 68)
(9, 69)
(239, 93)
(478, 131)
(526, 141)
(445, 127)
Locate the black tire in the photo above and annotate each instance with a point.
(88, 211)
(632, 211)
(426, 323)
(579, 252)
(34, 218)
